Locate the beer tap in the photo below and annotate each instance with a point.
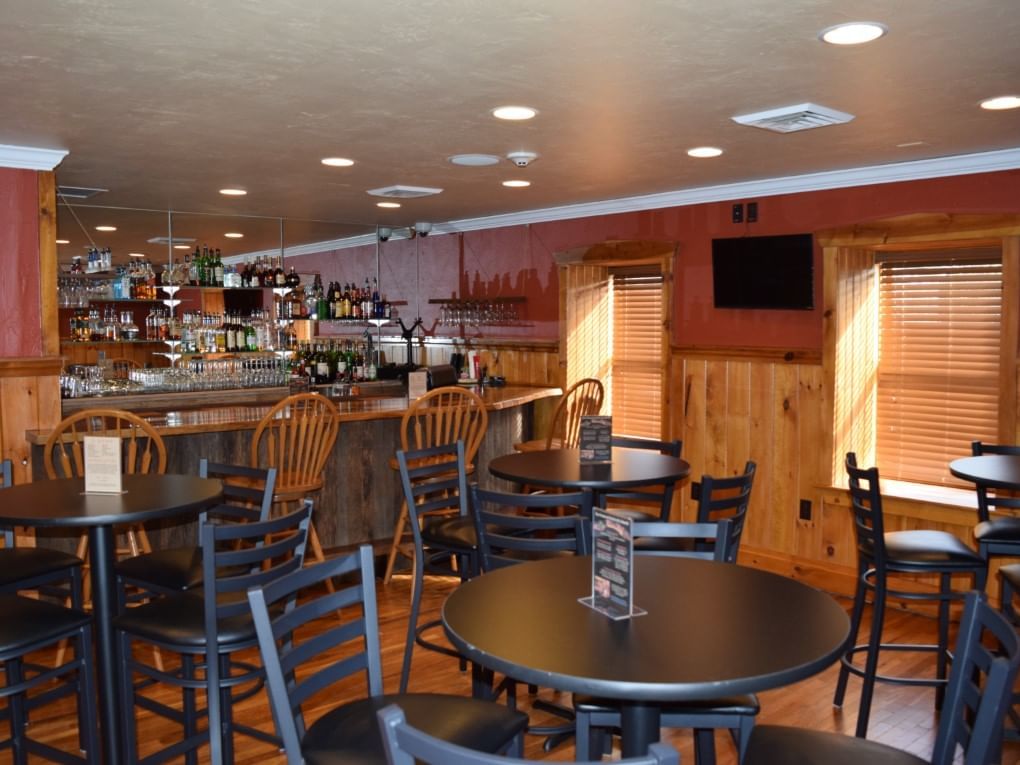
(408, 334)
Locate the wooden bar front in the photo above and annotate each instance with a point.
(361, 498)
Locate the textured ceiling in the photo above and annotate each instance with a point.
(165, 103)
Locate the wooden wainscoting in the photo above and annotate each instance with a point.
(29, 400)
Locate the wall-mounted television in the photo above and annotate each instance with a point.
(773, 272)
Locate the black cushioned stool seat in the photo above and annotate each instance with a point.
(798, 746)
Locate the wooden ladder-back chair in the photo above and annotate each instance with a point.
(296, 437)
(142, 451)
(439, 418)
(583, 398)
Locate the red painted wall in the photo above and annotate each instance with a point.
(518, 260)
(20, 309)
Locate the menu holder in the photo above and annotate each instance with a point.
(612, 567)
(596, 439)
(417, 384)
(102, 465)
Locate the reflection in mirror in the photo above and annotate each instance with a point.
(137, 235)
(224, 239)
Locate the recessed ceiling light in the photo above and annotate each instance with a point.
(516, 184)
(853, 33)
(234, 235)
(514, 113)
(473, 160)
(910, 144)
(233, 192)
(106, 228)
(136, 254)
(181, 247)
(388, 205)
(704, 151)
(338, 161)
(63, 241)
(1001, 102)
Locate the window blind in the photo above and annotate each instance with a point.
(637, 342)
(938, 372)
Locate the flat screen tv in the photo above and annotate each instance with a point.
(773, 272)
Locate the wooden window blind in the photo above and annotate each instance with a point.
(588, 322)
(940, 317)
(637, 343)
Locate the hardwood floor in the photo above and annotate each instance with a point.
(901, 716)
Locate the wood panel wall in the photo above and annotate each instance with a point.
(29, 400)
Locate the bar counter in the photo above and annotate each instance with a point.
(361, 499)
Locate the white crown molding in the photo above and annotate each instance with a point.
(29, 158)
(922, 169)
(964, 164)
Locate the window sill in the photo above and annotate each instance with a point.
(921, 502)
(922, 492)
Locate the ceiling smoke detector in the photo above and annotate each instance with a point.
(790, 119)
(404, 192)
(522, 158)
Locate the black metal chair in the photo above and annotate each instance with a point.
(247, 496)
(50, 571)
(657, 499)
(212, 624)
(980, 687)
(31, 625)
(407, 744)
(349, 733)
(996, 533)
(511, 528)
(717, 498)
(733, 713)
(434, 481)
(883, 556)
(1010, 578)
(515, 528)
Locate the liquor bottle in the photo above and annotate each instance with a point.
(293, 280)
(193, 268)
(218, 268)
(279, 277)
(321, 306)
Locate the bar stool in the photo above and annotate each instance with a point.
(882, 556)
(583, 398)
(996, 533)
(439, 418)
(296, 437)
(1010, 577)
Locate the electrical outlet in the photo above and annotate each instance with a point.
(805, 509)
(738, 213)
(752, 212)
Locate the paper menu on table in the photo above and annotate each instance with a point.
(102, 465)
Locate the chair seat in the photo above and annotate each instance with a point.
(28, 562)
(537, 445)
(349, 735)
(1004, 529)
(800, 746)
(929, 548)
(744, 704)
(27, 621)
(178, 568)
(179, 619)
(457, 531)
(1011, 573)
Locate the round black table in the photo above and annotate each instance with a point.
(993, 471)
(563, 469)
(63, 502)
(712, 629)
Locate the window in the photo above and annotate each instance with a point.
(635, 388)
(937, 384)
(616, 328)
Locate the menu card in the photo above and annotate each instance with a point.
(596, 441)
(102, 465)
(417, 384)
(612, 567)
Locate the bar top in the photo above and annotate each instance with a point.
(211, 419)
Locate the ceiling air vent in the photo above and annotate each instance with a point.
(404, 192)
(78, 192)
(168, 240)
(789, 119)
